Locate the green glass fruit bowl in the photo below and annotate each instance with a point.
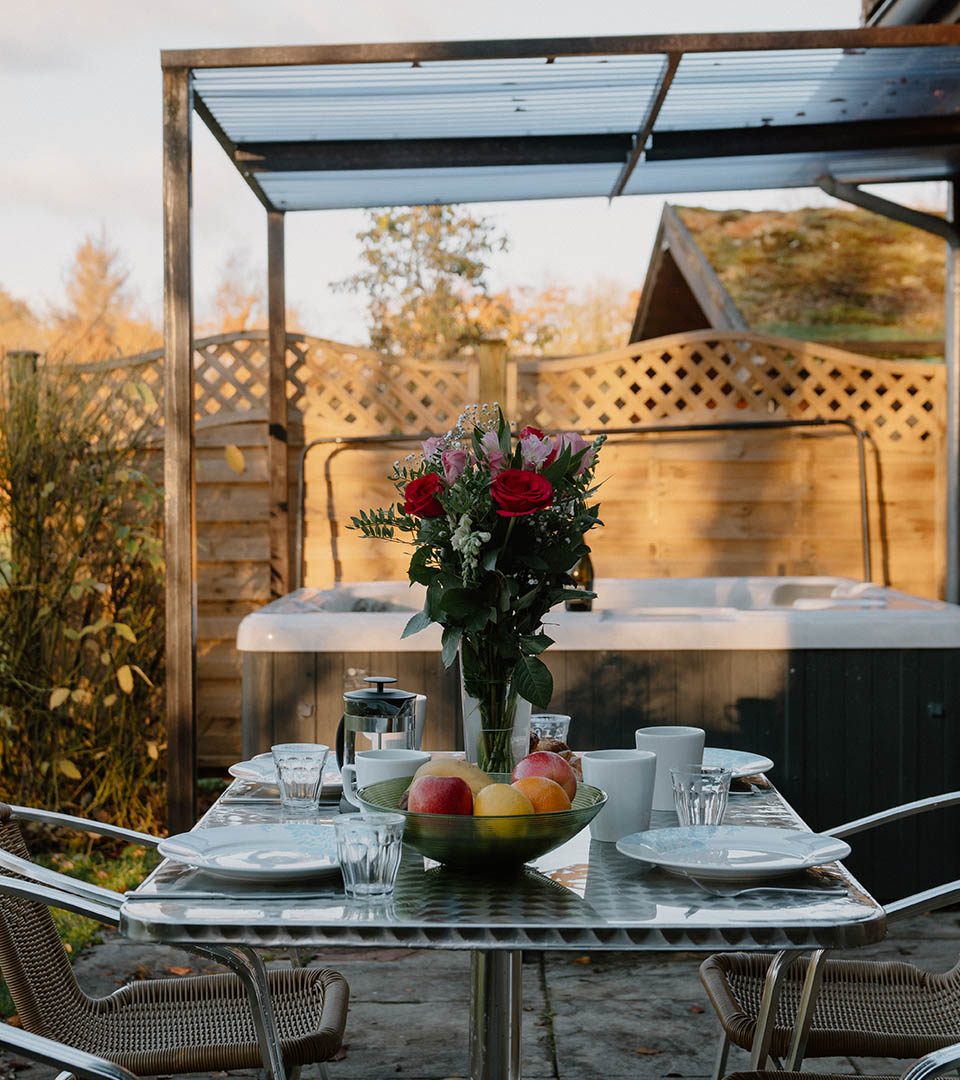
(484, 843)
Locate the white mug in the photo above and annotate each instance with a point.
(673, 746)
(627, 777)
(372, 766)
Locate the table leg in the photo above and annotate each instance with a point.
(247, 965)
(496, 993)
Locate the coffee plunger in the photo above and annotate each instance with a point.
(385, 715)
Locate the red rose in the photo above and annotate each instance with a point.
(518, 492)
(420, 496)
(530, 431)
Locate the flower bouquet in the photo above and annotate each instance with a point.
(497, 524)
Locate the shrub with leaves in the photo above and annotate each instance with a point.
(81, 592)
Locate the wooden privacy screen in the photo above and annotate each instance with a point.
(691, 504)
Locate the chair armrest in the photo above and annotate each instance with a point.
(43, 875)
(98, 828)
(48, 1052)
(920, 903)
(895, 813)
(43, 894)
(934, 1064)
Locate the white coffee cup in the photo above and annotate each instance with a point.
(372, 766)
(627, 776)
(673, 746)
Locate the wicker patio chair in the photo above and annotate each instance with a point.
(191, 1024)
(49, 1052)
(931, 1065)
(863, 1008)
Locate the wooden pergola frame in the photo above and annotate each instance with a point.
(630, 149)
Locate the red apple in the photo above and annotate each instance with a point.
(552, 766)
(440, 795)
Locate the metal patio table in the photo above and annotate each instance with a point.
(584, 897)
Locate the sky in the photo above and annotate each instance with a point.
(80, 123)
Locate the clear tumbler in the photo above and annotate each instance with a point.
(369, 847)
(300, 775)
(700, 793)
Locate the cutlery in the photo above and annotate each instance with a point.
(803, 890)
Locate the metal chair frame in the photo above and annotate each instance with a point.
(61, 891)
(927, 1067)
(916, 904)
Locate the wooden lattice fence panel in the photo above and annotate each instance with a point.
(704, 375)
(338, 388)
(127, 393)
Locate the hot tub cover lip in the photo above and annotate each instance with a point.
(855, 620)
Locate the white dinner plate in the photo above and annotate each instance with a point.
(262, 770)
(732, 852)
(257, 852)
(739, 762)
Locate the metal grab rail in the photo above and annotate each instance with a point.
(362, 441)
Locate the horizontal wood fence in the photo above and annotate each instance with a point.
(678, 504)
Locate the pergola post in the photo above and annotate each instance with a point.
(952, 360)
(493, 375)
(277, 408)
(178, 454)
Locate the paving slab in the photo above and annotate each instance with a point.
(603, 1015)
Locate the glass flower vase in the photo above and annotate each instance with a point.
(496, 720)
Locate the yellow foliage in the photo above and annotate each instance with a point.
(68, 769)
(125, 679)
(59, 696)
(235, 458)
(124, 631)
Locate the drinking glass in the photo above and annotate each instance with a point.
(550, 726)
(368, 848)
(700, 793)
(300, 775)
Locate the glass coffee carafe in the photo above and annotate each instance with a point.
(379, 717)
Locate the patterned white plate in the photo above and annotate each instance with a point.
(732, 852)
(257, 852)
(739, 762)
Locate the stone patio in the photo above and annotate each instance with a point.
(606, 1015)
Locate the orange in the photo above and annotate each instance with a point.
(545, 794)
(500, 800)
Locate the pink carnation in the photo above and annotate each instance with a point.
(454, 462)
(496, 458)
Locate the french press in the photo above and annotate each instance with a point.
(387, 716)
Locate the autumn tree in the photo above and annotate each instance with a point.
(240, 299)
(20, 327)
(424, 275)
(102, 316)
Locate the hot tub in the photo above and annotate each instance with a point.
(852, 689)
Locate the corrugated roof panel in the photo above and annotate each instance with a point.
(810, 86)
(408, 187)
(535, 96)
(791, 170)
